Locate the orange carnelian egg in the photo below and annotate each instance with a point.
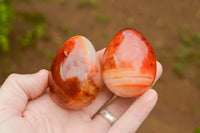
(75, 75)
(129, 64)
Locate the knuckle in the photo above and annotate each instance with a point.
(12, 76)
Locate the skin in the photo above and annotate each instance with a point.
(26, 106)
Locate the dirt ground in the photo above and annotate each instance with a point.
(178, 107)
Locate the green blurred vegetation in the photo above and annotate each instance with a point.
(188, 52)
(197, 130)
(48, 0)
(101, 18)
(64, 29)
(6, 17)
(87, 3)
(38, 21)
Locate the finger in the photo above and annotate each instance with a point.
(158, 72)
(136, 113)
(120, 105)
(18, 89)
(102, 98)
(100, 55)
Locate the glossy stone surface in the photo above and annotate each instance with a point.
(129, 64)
(75, 75)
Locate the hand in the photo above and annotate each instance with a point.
(26, 107)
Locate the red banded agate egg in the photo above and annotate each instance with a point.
(129, 64)
(75, 75)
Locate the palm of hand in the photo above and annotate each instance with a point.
(25, 108)
(41, 114)
(44, 116)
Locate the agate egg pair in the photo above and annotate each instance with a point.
(128, 69)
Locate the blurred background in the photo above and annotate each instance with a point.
(32, 31)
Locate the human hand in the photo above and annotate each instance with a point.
(26, 107)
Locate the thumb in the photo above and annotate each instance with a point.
(18, 89)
